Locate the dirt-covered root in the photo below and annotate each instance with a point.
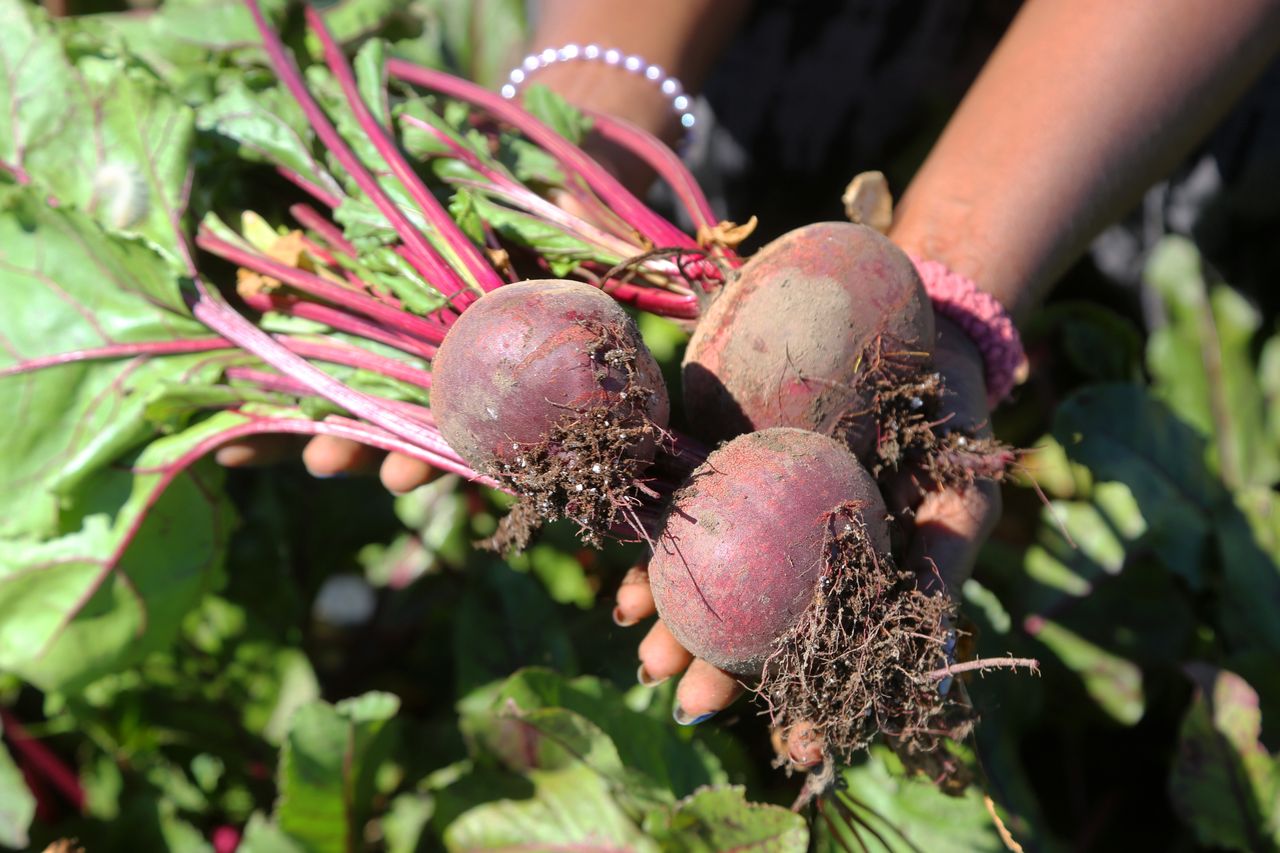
(587, 468)
(863, 659)
(902, 401)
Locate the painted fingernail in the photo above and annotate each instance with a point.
(679, 715)
(647, 680)
(621, 620)
(333, 475)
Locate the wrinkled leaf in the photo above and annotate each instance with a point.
(1247, 535)
(572, 809)
(721, 819)
(1224, 783)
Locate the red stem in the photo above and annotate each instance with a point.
(361, 358)
(315, 285)
(215, 313)
(323, 196)
(117, 351)
(423, 257)
(43, 759)
(448, 230)
(340, 321)
(309, 217)
(662, 160)
(657, 230)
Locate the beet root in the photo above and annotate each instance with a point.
(808, 335)
(774, 562)
(547, 386)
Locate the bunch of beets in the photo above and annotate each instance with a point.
(809, 370)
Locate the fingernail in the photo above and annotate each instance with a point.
(647, 680)
(333, 475)
(678, 714)
(622, 621)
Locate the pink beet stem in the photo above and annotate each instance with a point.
(340, 321)
(357, 357)
(512, 191)
(117, 351)
(43, 759)
(325, 197)
(309, 217)
(457, 243)
(423, 257)
(215, 313)
(388, 315)
(664, 303)
(662, 160)
(654, 228)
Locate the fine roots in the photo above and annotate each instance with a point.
(904, 400)
(863, 658)
(588, 466)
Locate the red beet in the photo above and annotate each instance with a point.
(744, 546)
(528, 356)
(799, 337)
(547, 386)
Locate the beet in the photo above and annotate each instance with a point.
(774, 562)
(806, 335)
(547, 386)
(741, 553)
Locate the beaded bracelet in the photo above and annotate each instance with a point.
(983, 320)
(681, 103)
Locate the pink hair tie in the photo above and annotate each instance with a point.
(984, 320)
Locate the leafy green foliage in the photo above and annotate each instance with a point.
(159, 626)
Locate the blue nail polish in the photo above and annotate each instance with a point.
(336, 475)
(677, 714)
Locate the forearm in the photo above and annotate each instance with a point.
(1081, 107)
(684, 37)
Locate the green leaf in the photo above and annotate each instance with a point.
(881, 808)
(1203, 366)
(721, 819)
(1224, 783)
(1122, 434)
(571, 809)
(140, 552)
(269, 127)
(17, 805)
(1099, 343)
(65, 285)
(557, 113)
(644, 744)
(327, 768)
(127, 157)
(485, 60)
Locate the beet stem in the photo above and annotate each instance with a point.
(456, 242)
(423, 257)
(657, 230)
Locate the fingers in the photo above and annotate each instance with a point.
(635, 599)
(661, 656)
(402, 473)
(259, 450)
(800, 744)
(950, 527)
(328, 456)
(704, 691)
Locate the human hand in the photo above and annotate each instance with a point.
(949, 525)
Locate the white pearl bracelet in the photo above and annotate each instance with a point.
(668, 85)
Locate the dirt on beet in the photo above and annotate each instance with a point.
(587, 468)
(863, 659)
